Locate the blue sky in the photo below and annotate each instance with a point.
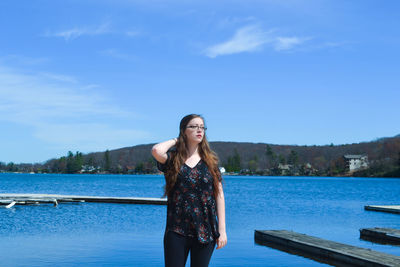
(93, 75)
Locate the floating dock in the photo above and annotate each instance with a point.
(385, 208)
(29, 199)
(381, 235)
(322, 250)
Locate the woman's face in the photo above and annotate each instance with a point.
(194, 132)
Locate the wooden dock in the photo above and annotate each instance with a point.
(385, 208)
(322, 250)
(381, 235)
(29, 199)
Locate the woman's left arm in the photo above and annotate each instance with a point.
(222, 240)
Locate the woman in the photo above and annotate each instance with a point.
(195, 195)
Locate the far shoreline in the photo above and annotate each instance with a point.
(224, 174)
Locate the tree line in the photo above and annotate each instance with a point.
(239, 158)
(80, 163)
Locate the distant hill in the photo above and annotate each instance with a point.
(383, 155)
(320, 157)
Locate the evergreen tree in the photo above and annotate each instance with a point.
(78, 161)
(11, 167)
(74, 162)
(59, 165)
(90, 161)
(139, 168)
(107, 161)
(272, 158)
(282, 159)
(398, 160)
(233, 163)
(70, 162)
(229, 164)
(236, 161)
(293, 158)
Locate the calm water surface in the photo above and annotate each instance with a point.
(96, 234)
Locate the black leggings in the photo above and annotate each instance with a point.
(177, 247)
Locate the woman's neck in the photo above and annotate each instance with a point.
(192, 149)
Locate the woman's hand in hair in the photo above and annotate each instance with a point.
(159, 151)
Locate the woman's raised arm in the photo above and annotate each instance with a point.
(159, 151)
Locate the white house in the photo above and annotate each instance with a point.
(356, 162)
(285, 168)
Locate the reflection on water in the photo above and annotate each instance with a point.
(93, 234)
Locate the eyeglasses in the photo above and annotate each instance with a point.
(197, 127)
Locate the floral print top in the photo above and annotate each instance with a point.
(191, 209)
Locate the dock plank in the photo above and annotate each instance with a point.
(71, 198)
(322, 250)
(384, 208)
(381, 235)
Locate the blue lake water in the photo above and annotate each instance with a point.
(97, 234)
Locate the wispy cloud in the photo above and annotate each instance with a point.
(253, 38)
(246, 39)
(63, 113)
(76, 32)
(287, 43)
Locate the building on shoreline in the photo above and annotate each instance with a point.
(222, 170)
(356, 162)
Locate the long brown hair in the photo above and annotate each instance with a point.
(178, 157)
